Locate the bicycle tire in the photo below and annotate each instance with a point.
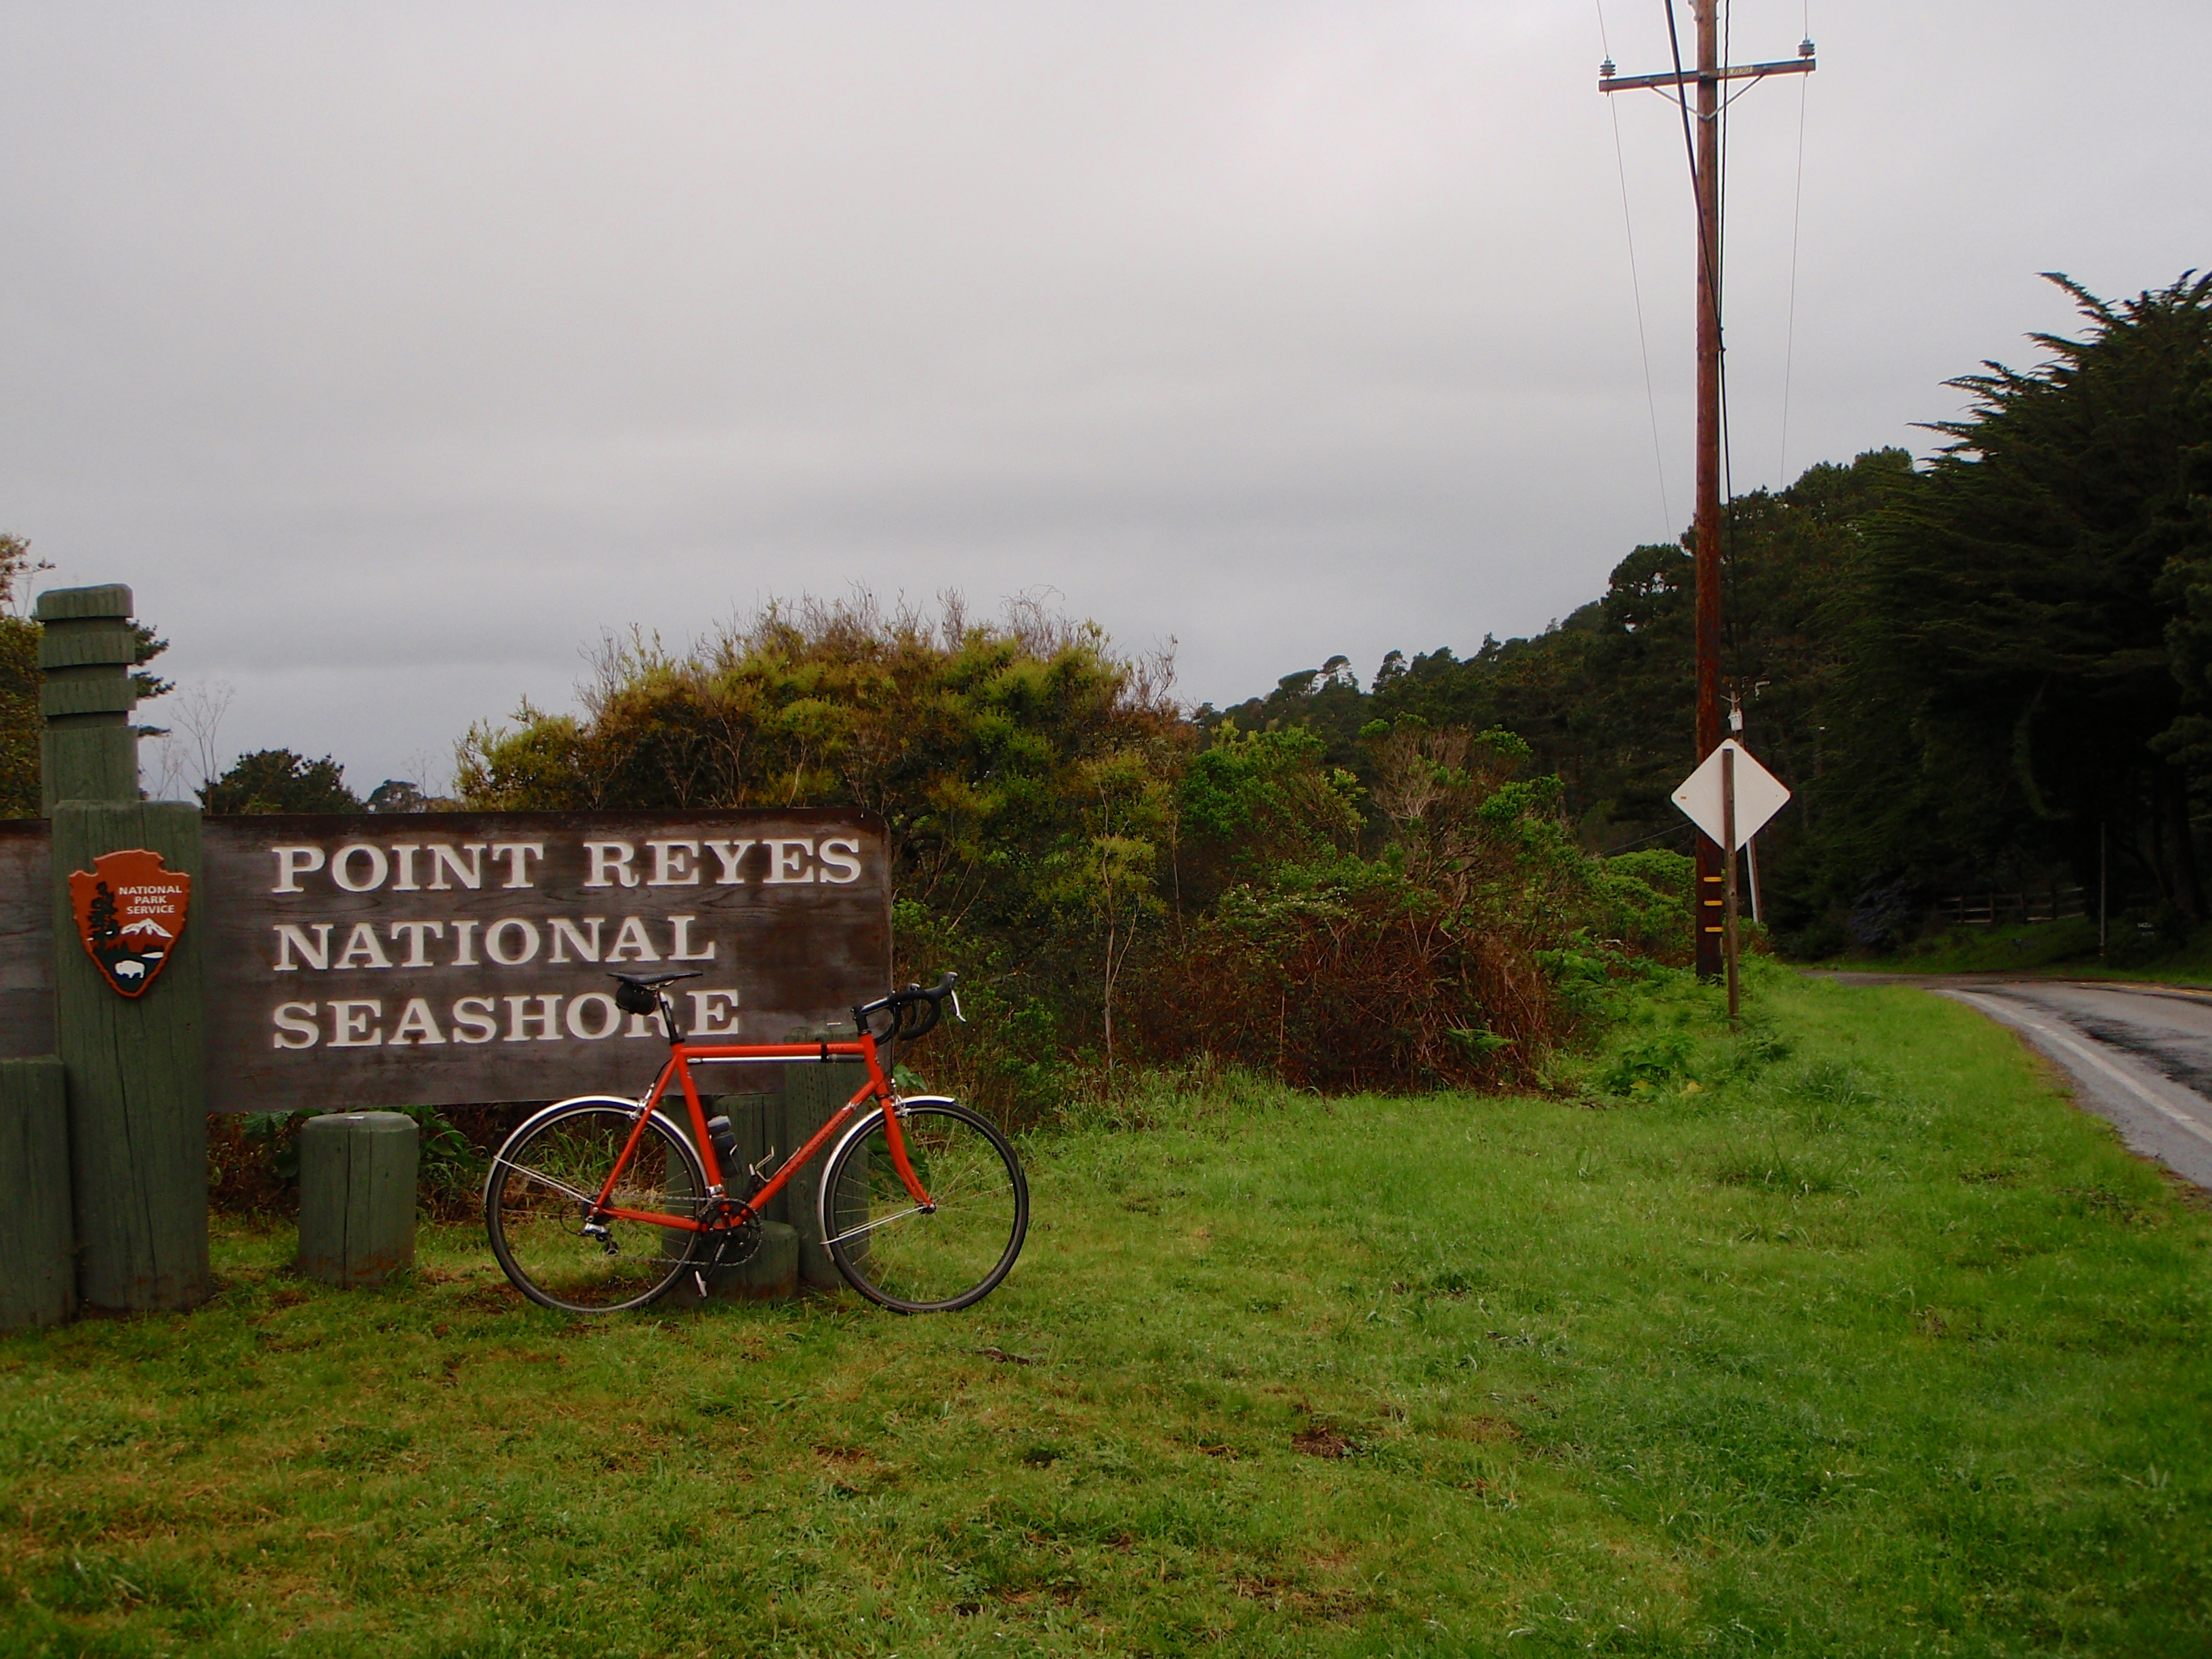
(910, 1260)
(540, 1190)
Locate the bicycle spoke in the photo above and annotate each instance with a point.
(544, 1185)
(874, 1222)
(560, 1187)
(948, 1253)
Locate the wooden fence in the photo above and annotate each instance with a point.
(2052, 902)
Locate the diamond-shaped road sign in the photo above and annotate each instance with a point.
(1759, 795)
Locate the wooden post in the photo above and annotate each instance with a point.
(811, 1095)
(137, 1111)
(138, 1105)
(772, 1272)
(38, 1269)
(1727, 856)
(357, 1197)
(756, 1119)
(1706, 603)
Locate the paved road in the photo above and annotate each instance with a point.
(2139, 1055)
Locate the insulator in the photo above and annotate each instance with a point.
(1805, 48)
(1605, 70)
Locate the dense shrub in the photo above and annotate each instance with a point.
(1117, 884)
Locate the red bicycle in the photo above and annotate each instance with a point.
(599, 1204)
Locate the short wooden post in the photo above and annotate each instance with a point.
(769, 1274)
(357, 1197)
(772, 1271)
(812, 1094)
(38, 1268)
(756, 1120)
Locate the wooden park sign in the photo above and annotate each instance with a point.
(436, 959)
(441, 958)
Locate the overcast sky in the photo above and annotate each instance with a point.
(393, 352)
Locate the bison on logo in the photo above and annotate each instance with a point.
(129, 913)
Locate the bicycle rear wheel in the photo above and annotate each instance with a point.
(916, 1261)
(544, 1184)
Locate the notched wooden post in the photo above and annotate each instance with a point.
(138, 1103)
(87, 648)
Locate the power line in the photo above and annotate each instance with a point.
(1797, 218)
(1636, 287)
(1728, 442)
(1690, 153)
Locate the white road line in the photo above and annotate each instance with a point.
(2008, 1015)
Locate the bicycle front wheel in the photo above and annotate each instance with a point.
(540, 1196)
(912, 1259)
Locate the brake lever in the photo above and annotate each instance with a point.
(957, 1014)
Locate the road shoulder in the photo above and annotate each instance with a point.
(2156, 1117)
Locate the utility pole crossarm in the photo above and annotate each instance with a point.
(1691, 78)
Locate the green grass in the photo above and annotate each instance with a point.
(1847, 1335)
(2046, 946)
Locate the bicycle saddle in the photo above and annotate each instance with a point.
(640, 992)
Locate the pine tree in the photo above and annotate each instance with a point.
(104, 930)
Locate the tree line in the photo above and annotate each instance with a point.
(1989, 671)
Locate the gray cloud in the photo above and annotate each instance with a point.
(393, 352)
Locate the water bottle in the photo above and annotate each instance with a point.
(724, 1141)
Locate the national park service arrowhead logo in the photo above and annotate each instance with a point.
(129, 913)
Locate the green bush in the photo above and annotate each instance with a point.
(1116, 882)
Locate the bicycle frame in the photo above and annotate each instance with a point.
(726, 1212)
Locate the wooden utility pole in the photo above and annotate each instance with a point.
(1714, 867)
(1715, 870)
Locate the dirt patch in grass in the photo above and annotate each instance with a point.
(1321, 1441)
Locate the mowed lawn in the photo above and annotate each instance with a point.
(1867, 1343)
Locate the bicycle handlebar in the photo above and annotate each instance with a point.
(915, 1011)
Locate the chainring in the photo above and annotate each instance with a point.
(731, 1247)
